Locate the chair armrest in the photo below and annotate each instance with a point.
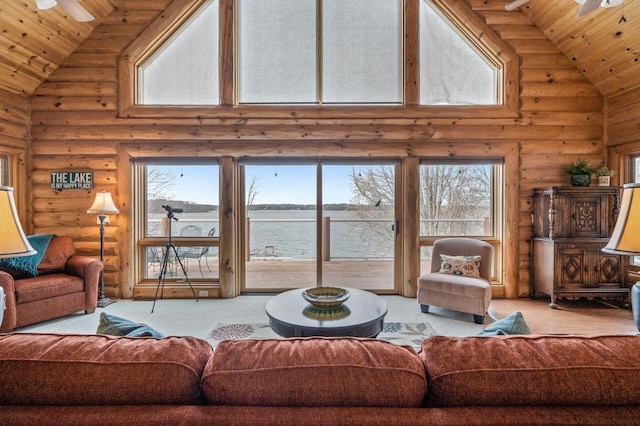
(89, 270)
(83, 267)
(9, 318)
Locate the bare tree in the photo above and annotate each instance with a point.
(373, 197)
(447, 192)
(252, 191)
(160, 186)
(453, 192)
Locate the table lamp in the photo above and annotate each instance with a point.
(625, 239)
(13, 242)
(102, 206)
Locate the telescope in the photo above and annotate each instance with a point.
(172, 209)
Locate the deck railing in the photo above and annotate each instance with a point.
(381, 234)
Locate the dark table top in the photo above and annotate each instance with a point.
(361, 315)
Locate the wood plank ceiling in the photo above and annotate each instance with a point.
(602, 46)
(34, 42)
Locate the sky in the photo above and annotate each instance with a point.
(276, 184)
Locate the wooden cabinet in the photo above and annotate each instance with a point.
(570, 227)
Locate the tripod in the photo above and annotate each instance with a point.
(169, 249)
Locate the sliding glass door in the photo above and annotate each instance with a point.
(327, 223)
(280, 226)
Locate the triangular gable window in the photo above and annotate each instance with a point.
(452, 70)
(184, 71)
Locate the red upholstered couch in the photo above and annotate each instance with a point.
(66, 283)
(72, 379)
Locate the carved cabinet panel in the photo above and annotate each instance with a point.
(571, 226)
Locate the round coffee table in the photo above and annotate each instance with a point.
(362, 315)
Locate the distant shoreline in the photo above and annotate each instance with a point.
(188, 207)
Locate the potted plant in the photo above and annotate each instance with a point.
(604, 176)
(581, 171)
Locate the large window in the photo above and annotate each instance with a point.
(184, 71)
(460, 199)
(322, 52)
(452, 69)
(634, 174)
(179, 204)
(339, 52)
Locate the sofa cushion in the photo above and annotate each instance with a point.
(532, 370)
(117, 326)
(55, 258)
(50, 369)
(45, 287)
(318, 371)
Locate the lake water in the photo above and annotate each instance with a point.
(291, 234)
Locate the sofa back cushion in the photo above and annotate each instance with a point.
(532, 370)
(50, 369)
(318, 371)
(55, 258)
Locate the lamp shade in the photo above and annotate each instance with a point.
(625, 239)
(13, 242)
(103, 204)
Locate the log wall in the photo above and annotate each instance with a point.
(76, 126)
(15, 121)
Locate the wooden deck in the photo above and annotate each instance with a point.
(280, 274)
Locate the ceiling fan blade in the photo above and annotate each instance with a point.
(45, 4)
(76, 10)
(515, 4)
(588, 7)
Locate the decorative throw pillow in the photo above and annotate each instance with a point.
(27, 266)
(468, 266)
(513, 323)
(117, 326)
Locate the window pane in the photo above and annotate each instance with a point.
(361, 51)
(277, 51)
(192, 188)
(181, 200)
(456, 200)
(452, 70)
(4, 170)
(184, 71)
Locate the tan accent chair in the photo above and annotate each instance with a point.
(457, 292)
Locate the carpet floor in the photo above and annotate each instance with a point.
(400, 333)
(199, 319)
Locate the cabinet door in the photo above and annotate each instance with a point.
(607, 269)
(574, 270)
(588, 217)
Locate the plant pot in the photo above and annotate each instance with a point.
(604, 180)
(580, 180)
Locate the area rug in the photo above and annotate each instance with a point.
(411, 334)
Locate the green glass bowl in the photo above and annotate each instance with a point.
(326, 297)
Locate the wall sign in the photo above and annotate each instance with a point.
(71, 180)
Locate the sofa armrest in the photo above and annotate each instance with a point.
(9, 318)
(89, 270)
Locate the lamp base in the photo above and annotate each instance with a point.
(635, 303)
(105, 301)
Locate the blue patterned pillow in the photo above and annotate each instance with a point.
(513, 323)
(117, 326)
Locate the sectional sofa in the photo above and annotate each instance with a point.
(48, 379)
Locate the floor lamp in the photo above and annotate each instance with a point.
(102, 206)
(625, 239)
(13, 242)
